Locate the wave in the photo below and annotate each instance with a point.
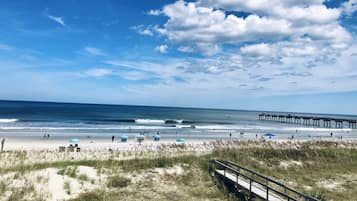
(8, 120)
(129, 121)
(149, 121)
(45, 128)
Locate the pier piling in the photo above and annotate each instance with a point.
(309, 120)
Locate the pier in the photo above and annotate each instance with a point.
(255, 185)
(325, 122)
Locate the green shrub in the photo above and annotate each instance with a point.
(118, 182)
(83, 177)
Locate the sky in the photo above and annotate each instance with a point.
(285, 55)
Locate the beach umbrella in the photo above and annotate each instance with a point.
(74, 140)
(156, 137)
(180, 140)
(124, 138)
(269, 135)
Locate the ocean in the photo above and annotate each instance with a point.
(21, 118)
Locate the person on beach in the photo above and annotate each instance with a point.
(230, 135)
(48, 136)
(256, 136)
(331, 134)
(2, 144)
(113, 138)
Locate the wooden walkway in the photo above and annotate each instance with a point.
(257, 185)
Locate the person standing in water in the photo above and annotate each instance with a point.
(113, 138)
(2, 144)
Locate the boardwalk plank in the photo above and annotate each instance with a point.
(256, 188)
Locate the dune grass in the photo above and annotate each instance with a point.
(326, 173)
(323, 170)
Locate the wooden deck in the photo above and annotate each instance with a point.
(256, 189)
(255, 184)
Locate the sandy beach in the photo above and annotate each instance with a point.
(31, 143)
(59, 176)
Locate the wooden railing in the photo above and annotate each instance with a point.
(260, 181)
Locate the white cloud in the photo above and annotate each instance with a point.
(98, 72)
(296, 10)
(220, 75)
(162, 48)
(154, 12)
(256, 50)
(59, 20)
(93, 51)
(349, 7)
(56, 19)
(143, 30)
(205, 27)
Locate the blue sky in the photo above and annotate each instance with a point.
(292, 55)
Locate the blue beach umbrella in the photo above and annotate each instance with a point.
(180, 140)
(74, 140)
(124, 138)
(156, 137)
(269, 135)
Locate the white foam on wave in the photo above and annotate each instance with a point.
(8, 120)
(149, 121)
(86, 128)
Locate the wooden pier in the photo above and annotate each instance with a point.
(325, 122)
(255, 184)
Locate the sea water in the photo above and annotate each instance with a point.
(20, 118)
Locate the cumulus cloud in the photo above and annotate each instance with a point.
(161, 48)
(349, 7)
(257, 50)
(295, 10)
(206, 26)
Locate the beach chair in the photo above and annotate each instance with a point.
(62, 149)
(140, 138)
(70, 148)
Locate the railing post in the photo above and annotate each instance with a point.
(250, 189)
(237, 179)
(267, 193)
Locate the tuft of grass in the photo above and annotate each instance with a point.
(67, 187)
(319, 195)
(2, 187)
(118, 181)
(83, 177)
(70, 171)
(90, 196)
